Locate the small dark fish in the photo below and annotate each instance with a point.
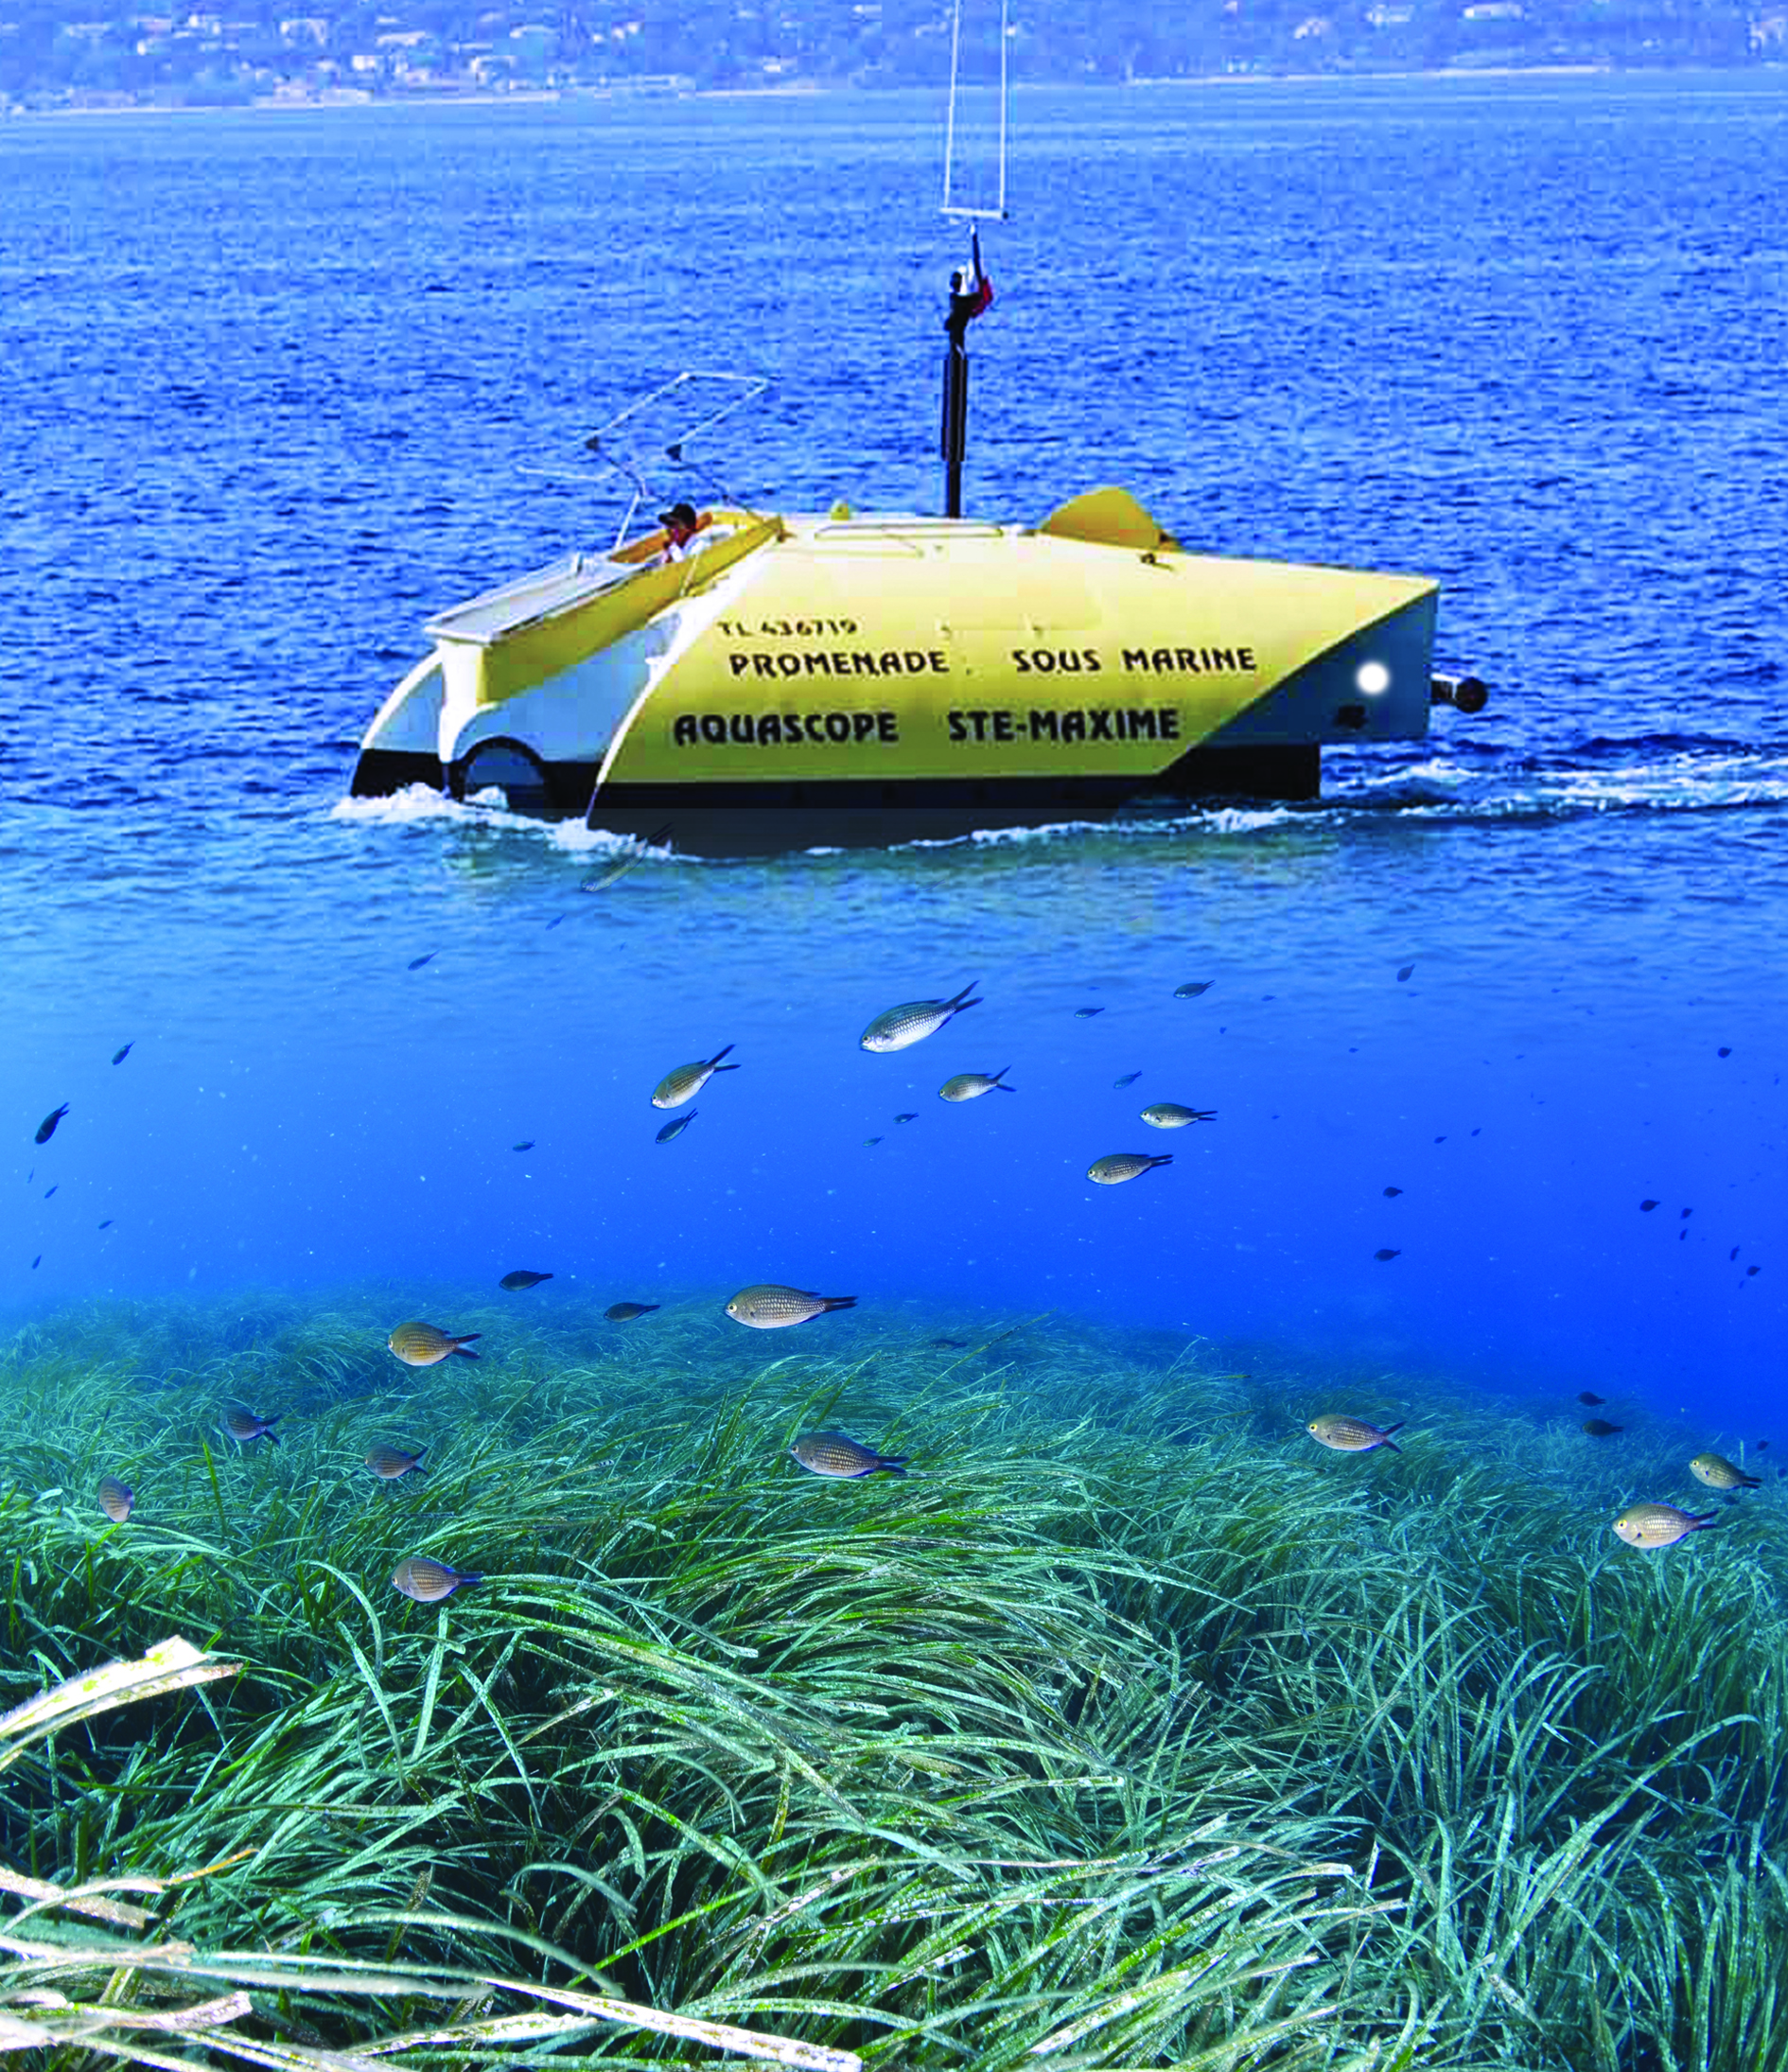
(1129, 1079)
(951, 1344)
(555, 921)
(523, 1278)
(1646, 1207)
(832, 1453)
(1405, 972)
(767, 1306)
(1599, 1427)
(244, 1427)
(1116, 1166)
(869, 1142)
(910, 1116)
(1086, 1014)
(107, 1224)
(46, 1129)
(1762, 1447)
(1726, 1050)
(417, 962)
(389, 1462)
(625, 1312)
(427, 1581)
(1732, 1255)
(1749, 1270)
(1391, 1193)
(1191, 990)
(683, 1084)
(115, 1499)
(526, 1144)
(422, 1346)
(1688, 1212)
(1387, 1251)
(119, 1056)
(672, 1131)
(37, 1262)
(1590, 1396)
(51, 1189)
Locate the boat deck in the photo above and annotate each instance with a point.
(543, 593)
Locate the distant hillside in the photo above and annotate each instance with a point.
(56, 51)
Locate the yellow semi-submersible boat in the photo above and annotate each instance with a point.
(784, 683)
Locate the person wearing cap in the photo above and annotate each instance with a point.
(681, 526)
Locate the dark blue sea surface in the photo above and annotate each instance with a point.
(282, 385)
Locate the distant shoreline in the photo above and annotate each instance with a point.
(345, 98)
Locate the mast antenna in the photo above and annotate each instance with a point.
(971, 292)
(950, 206)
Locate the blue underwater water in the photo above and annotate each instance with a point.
(283, 384)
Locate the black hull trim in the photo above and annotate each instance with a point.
(774, 819)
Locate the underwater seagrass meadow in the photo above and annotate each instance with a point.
(1128, 1727)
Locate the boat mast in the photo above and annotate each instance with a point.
(970, 289)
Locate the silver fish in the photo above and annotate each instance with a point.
(619, 869)
(914, 1020)
(832, 1453)
(1651, 1525)
(1191, 990)
(419, 1344)
(1118, 1165)
(427, 1581)
(389, 1462)
(1169, 1114)
(244, 1427)
(1719, 1473)
(1352, 1434)
(972, 1086)
(683, 1084)
(766, 1306)
(115, 1499)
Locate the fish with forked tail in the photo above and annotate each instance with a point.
(420, 1345)
(766, 1306)
(832, 1453)
(972, 1086)
(1116, 1166)
(1650, 1526)
(244, 1427)
(427, 1581)
(914, 1020)
(687, 1080)
(1352, 1434)
(1719, 1473)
